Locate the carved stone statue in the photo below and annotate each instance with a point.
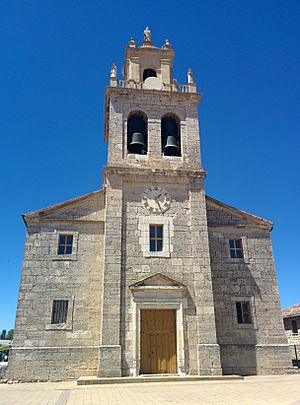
(113, 70)
(191, 79)
(147, 35)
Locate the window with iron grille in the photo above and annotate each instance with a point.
(59, 311)
(243, 311)
(236, 248)
(156, 238)
(65, 245)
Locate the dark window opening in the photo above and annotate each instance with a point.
(65, 244)
(148, 73)
(243, 312)
(170, 136)
(236, 248)
(156, 238)
(294, 327)
(137, 141)
(59, 311)
(296, 363)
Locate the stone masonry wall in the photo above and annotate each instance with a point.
(188, 261)
(180, 266)
(42, 350)
(154, 104)
(259, 347)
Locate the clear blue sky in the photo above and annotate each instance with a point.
(55, 62)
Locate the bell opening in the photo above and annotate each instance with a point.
(170, 136)
(137, 134)
(148, 73)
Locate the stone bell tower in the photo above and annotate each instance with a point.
(158, 312)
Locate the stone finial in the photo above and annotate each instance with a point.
(113, 71)
(132, 43)
(167, 44)
(147, 35)
(191, 79)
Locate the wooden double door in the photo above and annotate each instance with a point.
(158, 341)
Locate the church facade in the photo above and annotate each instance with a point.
(148, 275)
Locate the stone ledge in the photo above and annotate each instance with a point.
(155, 378)
(138, 172)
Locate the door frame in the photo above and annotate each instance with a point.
(177, 304)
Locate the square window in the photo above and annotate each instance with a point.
(236, 248)
(243, 311)
(156, 238)
(147, 234)
(65, 244)
(59, 311)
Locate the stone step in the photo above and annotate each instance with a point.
(155, 378)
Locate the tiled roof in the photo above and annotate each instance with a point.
(293, 310)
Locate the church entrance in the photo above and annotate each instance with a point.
(158, 341)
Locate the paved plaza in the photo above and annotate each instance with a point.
(252, 390)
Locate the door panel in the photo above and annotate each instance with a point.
(158, 341)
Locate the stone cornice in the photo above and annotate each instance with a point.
(137, 51)
(160, 93)
(62, 221)
(221, 227)
(140, 172)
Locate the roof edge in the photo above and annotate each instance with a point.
(38, 213)
(241, 213)
(291, 311)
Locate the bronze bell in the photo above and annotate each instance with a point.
(171, 147)
(137, 144)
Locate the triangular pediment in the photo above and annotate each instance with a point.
(220, 214)
(89, 207)
(159, 281)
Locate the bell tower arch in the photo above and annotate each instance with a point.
(137, 133)
(172, 137)
(155, 212)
